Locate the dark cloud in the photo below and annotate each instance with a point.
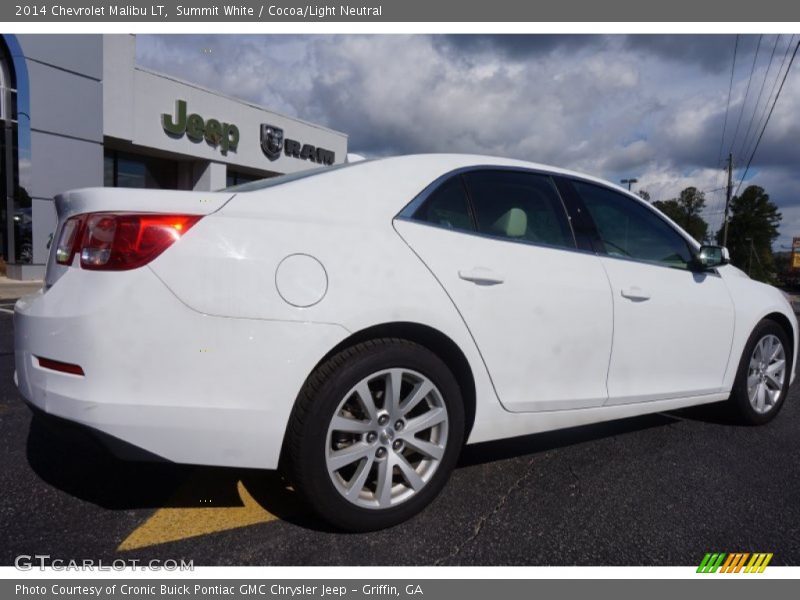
(513, 46)
(710, 52)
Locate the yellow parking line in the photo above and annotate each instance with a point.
(172, 524)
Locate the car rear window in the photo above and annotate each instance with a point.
(447, 206)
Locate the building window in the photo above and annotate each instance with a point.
(122, 169)
(236, 178)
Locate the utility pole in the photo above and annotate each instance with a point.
(630, 182)
(728, 199)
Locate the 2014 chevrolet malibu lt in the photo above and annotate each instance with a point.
(356, 325)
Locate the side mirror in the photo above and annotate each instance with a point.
(709, 257)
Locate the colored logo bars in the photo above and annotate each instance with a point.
(734, 563)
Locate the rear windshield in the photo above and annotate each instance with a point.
(261, 184)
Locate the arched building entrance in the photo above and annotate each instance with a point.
(16, 220)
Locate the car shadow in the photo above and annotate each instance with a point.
(718, 413)
(84, 469)
(76, 464)
(487, 452)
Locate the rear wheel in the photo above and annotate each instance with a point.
(375, 434)
(762, 380)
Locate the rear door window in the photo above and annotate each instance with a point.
(520, 206)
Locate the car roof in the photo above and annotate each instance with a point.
(453, 161)
(432, 163)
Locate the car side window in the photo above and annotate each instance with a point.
(630, 230)
(447, 206)
(520, 206)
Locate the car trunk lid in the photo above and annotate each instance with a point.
(127, 200)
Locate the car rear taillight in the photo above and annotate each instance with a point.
(119, 241)
(69, 240)
(122, 241)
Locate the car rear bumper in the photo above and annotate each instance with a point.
(178, 384)
(73, 433)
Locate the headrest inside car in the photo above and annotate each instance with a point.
(512, 223)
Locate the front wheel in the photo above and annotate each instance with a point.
(375, 434)
(762, 380)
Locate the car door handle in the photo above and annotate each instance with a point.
(481, 276)
(635, 293)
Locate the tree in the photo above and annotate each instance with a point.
(644, 195)
(752, 227)
(686, 211)
(783, 266)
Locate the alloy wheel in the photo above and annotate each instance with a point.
(766, 374)
(386, 439)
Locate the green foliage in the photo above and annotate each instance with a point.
(782, 262)
(752, 227)
(686, 211)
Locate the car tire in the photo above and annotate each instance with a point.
(401, 464)
(761, 383)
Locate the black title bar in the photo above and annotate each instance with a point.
(98, 11)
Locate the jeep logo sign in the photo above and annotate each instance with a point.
(215, 133)
(272, 142)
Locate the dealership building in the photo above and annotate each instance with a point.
(77, 112)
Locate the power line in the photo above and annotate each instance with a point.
(761, 135)
(715, 200)
(746, 94)
(716, 189)
(719, 203)
(758, 99)
(727, 111)
(728, 106)
(772, 90)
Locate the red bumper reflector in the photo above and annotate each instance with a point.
(56, 365)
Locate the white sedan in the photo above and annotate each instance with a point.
(356, 325)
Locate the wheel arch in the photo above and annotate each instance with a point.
(435, 341)
(783, 321)
(424, 335)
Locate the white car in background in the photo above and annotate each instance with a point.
(356, 325)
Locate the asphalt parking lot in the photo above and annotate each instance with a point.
(656, 490)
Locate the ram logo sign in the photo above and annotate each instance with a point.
(273, 142)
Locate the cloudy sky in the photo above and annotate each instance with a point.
(650, 107)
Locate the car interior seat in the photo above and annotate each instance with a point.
(513, 223)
